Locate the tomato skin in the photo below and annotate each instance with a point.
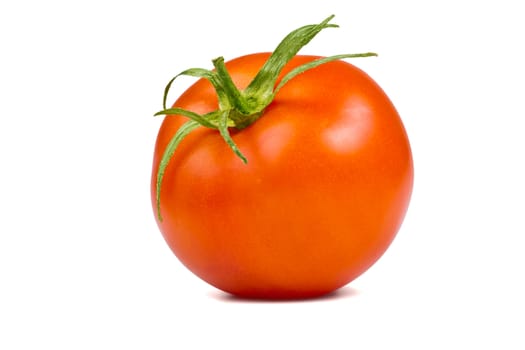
(325, 190)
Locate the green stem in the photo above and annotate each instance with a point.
(237, 108)
(232, 93)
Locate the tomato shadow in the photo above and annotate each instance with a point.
(341, 293)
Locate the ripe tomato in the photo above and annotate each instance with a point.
(325, 190)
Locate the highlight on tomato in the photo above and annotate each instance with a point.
(278, 175)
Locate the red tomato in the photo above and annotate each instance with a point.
(325, 190)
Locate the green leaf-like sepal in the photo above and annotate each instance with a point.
(211, 76)
(184, 130)
(263, 84)
(315, 63)
(201, 119)
(223, 129)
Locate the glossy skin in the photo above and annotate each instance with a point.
(325, 190)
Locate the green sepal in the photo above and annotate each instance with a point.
(201, 119)
(315, 63)
(261, 87)
(211, 76)
(183, 131)
(223, 129)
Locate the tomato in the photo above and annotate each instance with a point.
(325, 189)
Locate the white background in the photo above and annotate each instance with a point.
(82, 263)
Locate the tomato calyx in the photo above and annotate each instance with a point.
(240, 108)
